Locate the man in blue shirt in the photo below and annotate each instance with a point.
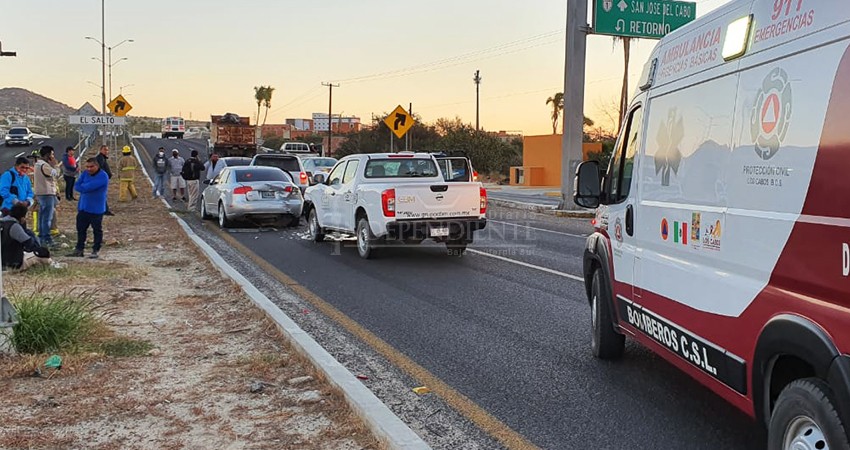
(92, 186)
(15, 186)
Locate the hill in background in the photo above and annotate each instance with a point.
(22, 101)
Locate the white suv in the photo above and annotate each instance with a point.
(19, 135)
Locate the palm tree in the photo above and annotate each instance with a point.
(557, 102)
(267, 101)
(259, 96)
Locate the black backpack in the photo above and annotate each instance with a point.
(12, 188)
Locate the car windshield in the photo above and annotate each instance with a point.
(287, 164)
(400, 168)
(260, 174)
(323, 163)
(18, 131)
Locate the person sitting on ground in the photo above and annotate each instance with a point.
(15, 186)
(19, 248)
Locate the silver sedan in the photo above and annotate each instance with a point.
(251, 192)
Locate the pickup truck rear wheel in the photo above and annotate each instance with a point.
(456, 247)
(605, 342)
(316, 232)
(365, 239)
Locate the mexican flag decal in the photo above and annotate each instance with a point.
(680, 232)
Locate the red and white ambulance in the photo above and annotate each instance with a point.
(722, 236)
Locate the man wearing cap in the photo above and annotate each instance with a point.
(175, 168)
(127, 169)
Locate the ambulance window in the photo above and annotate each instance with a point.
(623, 161)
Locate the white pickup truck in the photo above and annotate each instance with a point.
(395, 197)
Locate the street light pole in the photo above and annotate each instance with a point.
(103, 56)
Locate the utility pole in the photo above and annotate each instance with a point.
(103, 56)
(477, 80)
(407, 135)
(574, 58)
(331, 87)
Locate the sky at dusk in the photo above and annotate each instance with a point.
(195, 58)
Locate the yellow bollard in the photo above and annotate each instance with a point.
(35, 222)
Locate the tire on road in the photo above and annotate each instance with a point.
(805, 417)
(605, 342)
(204, 214)
(366, 241)
(223, 221)
(456, 247)
(316, 232)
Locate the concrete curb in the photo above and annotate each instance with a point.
(378, 417)
(543, 209)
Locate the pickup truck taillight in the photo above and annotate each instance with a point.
(388, 202)
(483, 206)
(242, 190)
(303, 177)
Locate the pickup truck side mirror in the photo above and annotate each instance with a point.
(319, 178)
(587, 188)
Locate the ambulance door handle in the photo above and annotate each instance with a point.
(630, 220)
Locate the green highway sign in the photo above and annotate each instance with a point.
(649, 19)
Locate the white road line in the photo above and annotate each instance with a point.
(540, 229)
(525, 264)
(19, 154)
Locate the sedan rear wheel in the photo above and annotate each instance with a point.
(204, 214)
(223, 221)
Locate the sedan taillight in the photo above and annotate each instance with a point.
(388, 202)
(243, 190)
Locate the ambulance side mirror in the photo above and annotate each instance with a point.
(587, 188)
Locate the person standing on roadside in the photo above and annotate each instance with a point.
(175, 168)
(213, 167)
(45, 174)
(192, 171)
(103, 163)
(92, 185)
(160, 172)
(69, 172)
(127, 167)
(15, 186)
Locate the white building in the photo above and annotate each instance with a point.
(343, 124)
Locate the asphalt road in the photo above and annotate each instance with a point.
(508, 327)
(8, 154)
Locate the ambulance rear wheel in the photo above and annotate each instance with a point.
(605, 342)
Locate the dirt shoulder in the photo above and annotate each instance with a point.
(213, 373)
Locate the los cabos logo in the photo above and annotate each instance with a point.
(771, 114)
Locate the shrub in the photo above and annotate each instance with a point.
(53, 323)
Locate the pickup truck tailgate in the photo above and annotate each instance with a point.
(437, 201)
